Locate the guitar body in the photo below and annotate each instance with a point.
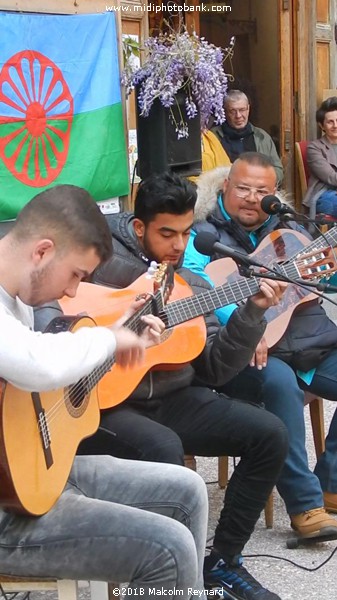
(32, 478)
(276, 247)
(178, 345)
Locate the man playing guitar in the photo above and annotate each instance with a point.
(110, 522)
(229, 205)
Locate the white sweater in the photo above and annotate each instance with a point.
(37, 361)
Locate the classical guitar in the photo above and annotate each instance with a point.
(285, 248)
(40, 432)
(184, 338)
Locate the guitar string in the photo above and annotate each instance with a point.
(74, 393)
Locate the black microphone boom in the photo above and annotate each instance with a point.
(206, 243)
(272, 205)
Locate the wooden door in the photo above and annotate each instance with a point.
(286, 64)
(323, 56)
(307, 67)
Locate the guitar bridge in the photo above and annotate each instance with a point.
(43, 429)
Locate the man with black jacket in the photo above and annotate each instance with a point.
(229, 206)
(166, 417)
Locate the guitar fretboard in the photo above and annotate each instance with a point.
(136, 325)
(228, 293)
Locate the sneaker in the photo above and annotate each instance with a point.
(314, 523)
(232, 580)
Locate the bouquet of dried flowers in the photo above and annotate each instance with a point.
(177, 61)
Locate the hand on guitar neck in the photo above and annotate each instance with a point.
(130, 348)
(270, 294)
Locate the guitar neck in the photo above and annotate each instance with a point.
(135, 324)
(184, 310)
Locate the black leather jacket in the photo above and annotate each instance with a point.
(227, 349)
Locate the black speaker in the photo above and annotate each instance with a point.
(158, 146)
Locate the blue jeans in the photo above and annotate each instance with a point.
(117, 520)
(327, 203)
(278, 387)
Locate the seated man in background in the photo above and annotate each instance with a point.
(166, 417)
(238, 135)
(229, 206)
(321, 195)
(108, 506)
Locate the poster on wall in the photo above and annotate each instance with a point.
(61, 117)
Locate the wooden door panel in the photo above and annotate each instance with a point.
(323, 69)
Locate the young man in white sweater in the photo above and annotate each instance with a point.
(115, 520)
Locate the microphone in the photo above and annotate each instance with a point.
(206, 243)
(272, 205)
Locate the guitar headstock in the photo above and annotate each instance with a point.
(319, 264)
(163, 279)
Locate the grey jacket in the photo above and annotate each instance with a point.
(227, 349)
(322, 163)
(264, 144)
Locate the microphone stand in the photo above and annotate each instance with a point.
(304, 219)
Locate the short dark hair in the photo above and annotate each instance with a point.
(256, 158)
(68, 215)
(164, 193)
(328, 105)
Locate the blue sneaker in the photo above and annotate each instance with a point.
(232, 581)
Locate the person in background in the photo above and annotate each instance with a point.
(238, 135)
(321, 195)
(212, 154)
(116, 520)
(229, 206)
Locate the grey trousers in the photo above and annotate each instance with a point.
(117, 520)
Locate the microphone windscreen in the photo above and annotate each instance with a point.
(204, 242)
(270, 204)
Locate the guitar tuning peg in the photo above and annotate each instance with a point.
(152, 269)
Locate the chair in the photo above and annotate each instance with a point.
(317, 424)
(302, 166)
(66, 589)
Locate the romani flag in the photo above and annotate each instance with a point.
(60, 107)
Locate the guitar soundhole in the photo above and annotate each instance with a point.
(77, 398)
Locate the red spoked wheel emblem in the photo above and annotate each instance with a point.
(36, 113)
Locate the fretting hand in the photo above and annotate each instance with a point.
(270, 293)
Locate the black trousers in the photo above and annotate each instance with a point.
(197, 420)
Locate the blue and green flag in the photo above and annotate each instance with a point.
(61, 115)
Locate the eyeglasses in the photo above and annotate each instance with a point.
(243, 191)
(236, 111)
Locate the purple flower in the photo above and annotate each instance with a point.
(180, 61)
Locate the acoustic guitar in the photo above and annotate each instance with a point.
(185, 334)
(290, 248)
(40, 432)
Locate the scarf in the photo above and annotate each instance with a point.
(237, 141)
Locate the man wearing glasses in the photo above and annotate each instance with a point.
(304, 359)
(238, 135)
